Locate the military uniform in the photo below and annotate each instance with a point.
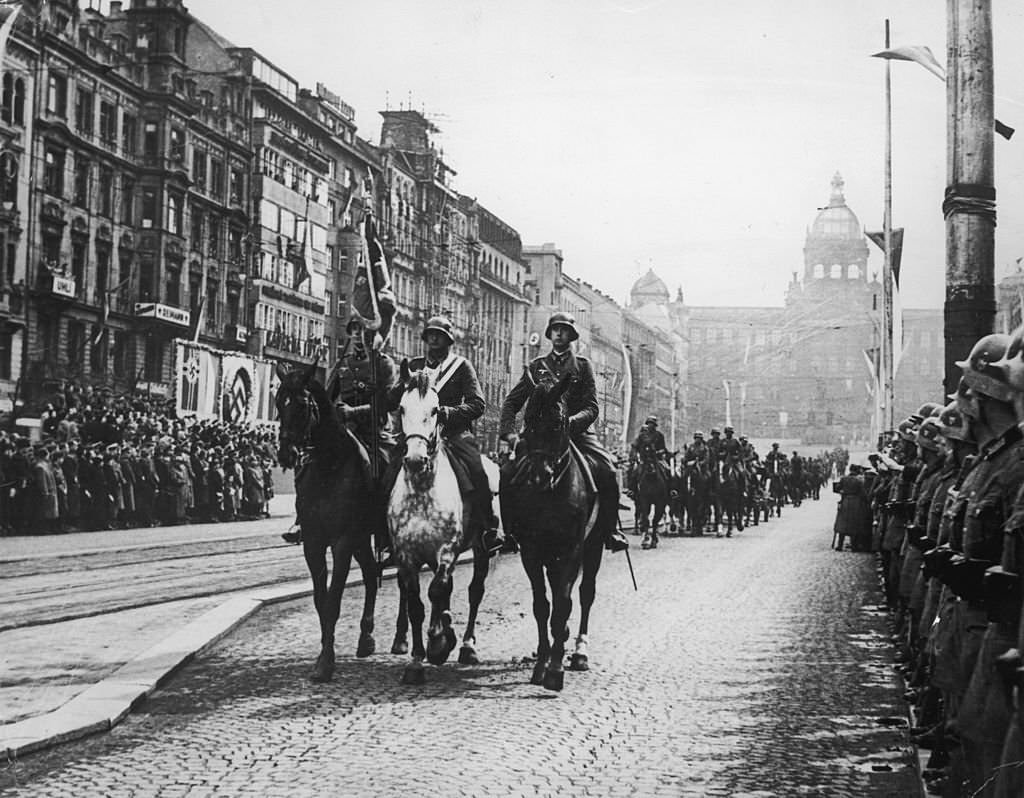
(581, 406)
(648, 445)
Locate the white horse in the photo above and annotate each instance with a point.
(429, 525)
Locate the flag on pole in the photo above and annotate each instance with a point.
(373, 300)
(897, 327)
(9, 13)
(301, 257)
(897, 248)
(923, 55)
(199, 316)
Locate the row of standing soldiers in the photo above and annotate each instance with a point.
(61, 487)
(949, 514)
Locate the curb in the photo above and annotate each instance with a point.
(105, 704)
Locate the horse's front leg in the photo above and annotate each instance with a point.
(364, 556)
(441, 637)
(541, 610)
(481, 565)
(562, 580)
(580, 660)
(409, 578)
(323, 599)
(400, 645)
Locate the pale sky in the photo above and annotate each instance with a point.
(697, 137)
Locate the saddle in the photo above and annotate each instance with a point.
(522, 465)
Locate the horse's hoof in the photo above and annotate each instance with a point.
(323, 671)
(554, 680)
(672, 528)
(366, 646)
(538, 674)
(728, 534)
(400, 646)
(467, 655)
(414, 674)
(579, 662)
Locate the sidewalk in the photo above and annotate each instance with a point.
(67, 680)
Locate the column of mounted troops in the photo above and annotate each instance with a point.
(948, 504)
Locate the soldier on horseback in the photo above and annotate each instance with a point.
(649, 444)
(581, 405)
(697, 453)
(352, 389)
(461, 403)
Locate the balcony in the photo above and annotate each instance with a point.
(279, 344)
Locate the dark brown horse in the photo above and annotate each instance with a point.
(652, 496)
(547, 508)
(331, 487)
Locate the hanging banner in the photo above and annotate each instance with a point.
(227, 386)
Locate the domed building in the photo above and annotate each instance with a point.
(798, 373)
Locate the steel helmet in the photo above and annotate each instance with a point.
(953, 423)
(439, 324)
(698, 434)
(652, 420)
(907, 430)
(966, 400)
(1012, 363)
(714, 431)
(929, 434)
(566, 320)
(729, 429)
(980, 371)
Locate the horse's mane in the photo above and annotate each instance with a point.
(331, 439)
(539, 400)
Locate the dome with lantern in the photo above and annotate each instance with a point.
(649, 290)
(836, 220)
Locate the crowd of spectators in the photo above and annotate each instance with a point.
(108, 461)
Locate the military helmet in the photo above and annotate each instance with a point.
(907, 430)
(652, 420)
(698, 434)
(566, 320)
(980, 371)
(728, 429)
(927, 410)
(354, 324)
(714, 430)
(1012, 363)
(929, 434)
(966, 400)
(953, 423)
(439, 324)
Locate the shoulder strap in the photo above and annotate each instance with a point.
(447, 370)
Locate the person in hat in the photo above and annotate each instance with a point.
(582, 407)
(43, 493)
(715, 449)
(853, 515)
(461, 403)
(648, 444)
(696, 454)
(731, 449)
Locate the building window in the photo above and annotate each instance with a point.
(129, 132)
(57, 95)
(173, 285)
(147, 281)
(237, 186)
(85, 105)
(199, 169)
(6, 350)
(119, 352)
(174, 203)
(150, 141)
(148, 207)
(213, 237)
(53, 171)
(108, 123)
(127, 200)
(177, 144)
(76, 345)
(216, 178)
(235, 244)
(154, 359)
(196, 233)
(78, 253)
(83, 170)
(13, 106)
(106, 191)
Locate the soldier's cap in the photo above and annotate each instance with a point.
(907, 430)
(651, 420)
(714, 431)
(699, 434)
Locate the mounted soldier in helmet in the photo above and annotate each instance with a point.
(581, 406)
(697, 454)
(353, 383)
(649, 444)
(461, 403)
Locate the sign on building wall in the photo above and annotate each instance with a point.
(226, 386)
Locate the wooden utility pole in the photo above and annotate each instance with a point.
(969, 207)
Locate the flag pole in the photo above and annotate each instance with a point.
(888, 355)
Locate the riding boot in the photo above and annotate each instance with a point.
(493, 537)
(293, 535)
(608, 491)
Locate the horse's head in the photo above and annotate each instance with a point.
(297, 412)
(546, 427)
(419, 413)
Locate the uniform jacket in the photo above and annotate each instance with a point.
(580, 397)
(460, 396)
(655, 439)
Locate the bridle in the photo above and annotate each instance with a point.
(430, 440)
(312, 420)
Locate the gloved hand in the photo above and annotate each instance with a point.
(512, 440)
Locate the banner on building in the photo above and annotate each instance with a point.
(226, 386)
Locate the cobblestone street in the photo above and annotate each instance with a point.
(752, 666)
